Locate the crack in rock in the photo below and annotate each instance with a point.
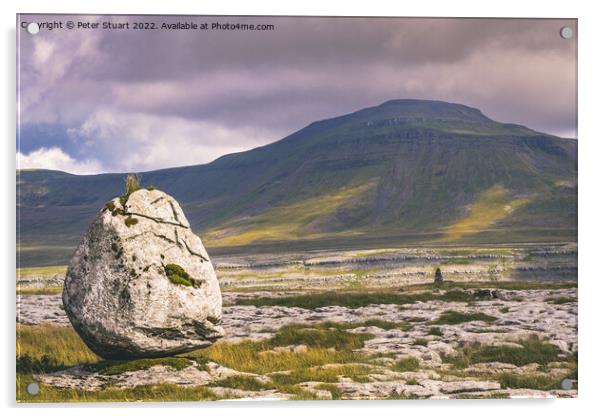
(161, 198)
(174, 212)
(203, 258)
(157, 220)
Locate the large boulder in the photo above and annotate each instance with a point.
(141, 284)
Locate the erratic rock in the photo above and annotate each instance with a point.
(141, 284)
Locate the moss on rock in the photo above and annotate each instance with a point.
(129, 221)
(176, 274)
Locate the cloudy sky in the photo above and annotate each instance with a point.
(135, 100)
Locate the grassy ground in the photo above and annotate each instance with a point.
(26, 272)
(354, 299)
(420, 287)
(329, 351)
(328, 354)
(46, 348)
(490, 206)
(284, 222)
(455, 318)
(531, 381)
(253, 357)
(407, 364)
(156, 393)
(532, 350)
(411, 294)
(39, 291)
(53, 348)
(560, 300)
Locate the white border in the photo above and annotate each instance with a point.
(589, 196)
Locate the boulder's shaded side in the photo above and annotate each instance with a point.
(141, 284)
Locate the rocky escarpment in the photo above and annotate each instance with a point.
(141, 284)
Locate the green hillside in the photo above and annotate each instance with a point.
(404, 172)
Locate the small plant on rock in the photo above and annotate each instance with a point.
(132, 184)
(436, 331)
(129, 221)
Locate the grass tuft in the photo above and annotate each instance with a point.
(132, 183)
(323, 374)
(386, 325)
(529, 381)
(454, 318)
(532, 350)
(406, 364)
(561, 300)
(322, 336)
(334, 390)
(111, 368)
(327, 342)
(242, 382)
(436, 331)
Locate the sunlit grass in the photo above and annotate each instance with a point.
(319, 337)
(259, 358)
(46, 347)
(242, 382)
(49, 271)
(39, 291)
(284, 222)
(324, 374)
(490, 206)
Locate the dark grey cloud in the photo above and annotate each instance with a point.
(118, 95)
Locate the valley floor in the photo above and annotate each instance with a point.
(338, 325)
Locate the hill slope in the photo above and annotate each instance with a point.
(404, 171)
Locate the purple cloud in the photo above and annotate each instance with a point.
(140, 100)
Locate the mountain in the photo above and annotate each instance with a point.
(403, 172)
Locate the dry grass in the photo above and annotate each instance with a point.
(152, 393)
(257, 357)
(50, 271)
(51, 346)
(329, 374)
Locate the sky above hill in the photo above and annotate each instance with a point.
(116, 100)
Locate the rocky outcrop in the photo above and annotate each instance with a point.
(520, 315)
(141, 284)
